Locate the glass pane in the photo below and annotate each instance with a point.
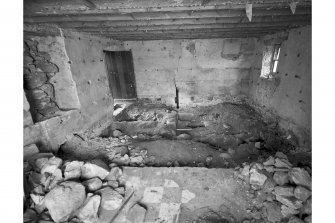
(275, 67)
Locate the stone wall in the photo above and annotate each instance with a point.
(202, 70)
(47, 77)
(288, 95)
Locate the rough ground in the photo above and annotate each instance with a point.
(222, 135)
(258, 184)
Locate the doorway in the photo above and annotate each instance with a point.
(120, 72)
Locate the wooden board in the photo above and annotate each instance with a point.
(119, 65)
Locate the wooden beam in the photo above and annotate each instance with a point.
(194, 27)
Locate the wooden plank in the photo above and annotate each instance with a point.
(200, 31)
(204, 27)
(111, 71)
(121, 74)
(132, 85)
(193, 29)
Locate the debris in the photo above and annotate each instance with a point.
(89, 211)
(136, 160)
(209, 160)
(113, 184)
(117, 133)
(284, 191)
(93, 184)
(225, 156)
(302, 193)
(64, 199)
(282, 163)
(114, 174)
(29, 215)
(291, 202)
(269, 162)
(308, 219)
(89, 170)
(269, 185)
(72, 170)
(257, 178)
(273, 211)
(281, 178)
(288, 212)
(257, 145)
(281, 155)
(120, 190)
(110, 199)
(300, 177)
(307, 208)
(295, 219)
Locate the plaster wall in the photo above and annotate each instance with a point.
(289, 93)
(89, 73)
(202, 70)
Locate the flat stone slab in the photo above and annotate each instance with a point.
(186, 194)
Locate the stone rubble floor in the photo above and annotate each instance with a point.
(157, 174)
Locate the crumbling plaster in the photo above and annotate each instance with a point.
(82, 86)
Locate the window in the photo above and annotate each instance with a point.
(270, 61)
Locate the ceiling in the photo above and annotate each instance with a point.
(168, 19)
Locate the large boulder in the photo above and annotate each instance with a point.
(110, 199)
(93, 184)
(288, 212)
(47, 165)
(114, 174)
(302, 193)
(273, 211)
(88, 213)
(72, 170)
(291, 202)
(63, 200)
(281, 178)
(284, 191)
(257, 178)
(300, 177)
(89, 171)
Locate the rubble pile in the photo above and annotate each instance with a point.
(279, 191)
(70, 191)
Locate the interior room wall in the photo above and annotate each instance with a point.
(288, 95)
(79, 88)
(202, 70)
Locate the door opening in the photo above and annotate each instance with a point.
(120, 72)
